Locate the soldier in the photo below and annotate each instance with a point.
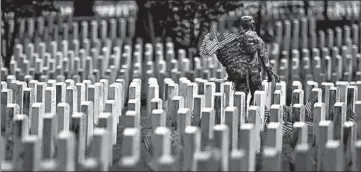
(253, 57)
(244, 55)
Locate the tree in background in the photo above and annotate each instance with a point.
(186, 21)
(11, 12)
(83, 8)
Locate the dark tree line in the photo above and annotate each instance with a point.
(185, 22)
(83, 8)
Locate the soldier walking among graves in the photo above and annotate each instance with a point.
(243, 55)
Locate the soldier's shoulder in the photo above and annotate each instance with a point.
(249, 34)
(259, 39)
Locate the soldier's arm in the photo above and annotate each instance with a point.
(263, 55)
(266, 63)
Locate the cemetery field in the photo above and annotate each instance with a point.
(90, 94)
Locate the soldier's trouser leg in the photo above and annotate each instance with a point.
(255, 81)
(241, 84)
(239, 80)
(248, 81)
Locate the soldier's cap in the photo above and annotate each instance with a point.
(247, 20)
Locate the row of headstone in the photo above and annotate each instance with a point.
(122, 8)
(41, 114)
(60, 117)
(337, 10)
(336, 61)
(48, 30)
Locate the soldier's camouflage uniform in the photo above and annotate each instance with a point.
(243, 61)
(243, 55)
